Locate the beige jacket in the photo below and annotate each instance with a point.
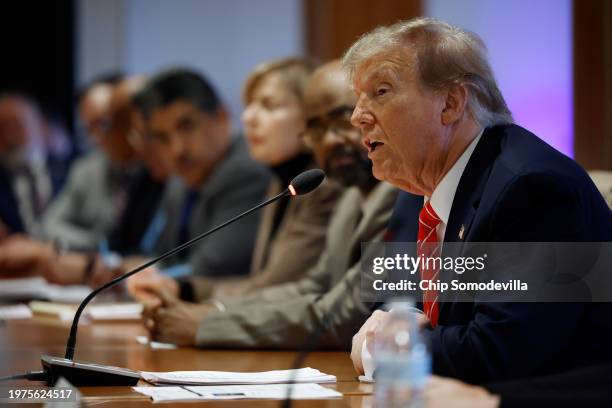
(283, 316)
(296, 246)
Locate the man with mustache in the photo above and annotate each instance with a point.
(217, 179)
(328, 299)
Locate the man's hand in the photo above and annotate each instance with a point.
(368, 330)
(448, 393)
(174, 321)
(23, 256)
(145, 285)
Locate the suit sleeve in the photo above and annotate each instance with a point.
(294, 251)
(331, 318)
(512, 339)
(59, 222)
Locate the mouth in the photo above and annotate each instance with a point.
(371, 145)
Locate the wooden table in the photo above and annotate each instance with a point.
(22, 342)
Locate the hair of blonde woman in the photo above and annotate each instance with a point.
(444, 56)
(295, 72)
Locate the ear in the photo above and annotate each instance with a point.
(455, 104)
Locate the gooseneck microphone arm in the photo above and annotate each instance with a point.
(303, 183)
(70, 346)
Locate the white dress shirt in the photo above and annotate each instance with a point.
(444, 193)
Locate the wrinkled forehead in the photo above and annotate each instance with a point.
(398, 62)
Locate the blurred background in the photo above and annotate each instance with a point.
(552, 58)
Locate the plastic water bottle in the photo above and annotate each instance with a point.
(401, 359)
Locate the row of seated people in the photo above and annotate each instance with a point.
(382, 127)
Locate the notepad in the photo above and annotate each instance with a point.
(301, 375)
(231, 392)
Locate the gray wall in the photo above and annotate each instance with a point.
(222, 39)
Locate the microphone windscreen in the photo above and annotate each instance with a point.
(306, 181)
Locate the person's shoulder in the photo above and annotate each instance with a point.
(239, 165)
(529, 159)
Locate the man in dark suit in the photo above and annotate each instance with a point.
(436, 125)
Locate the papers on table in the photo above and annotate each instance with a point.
(99, 312)
(226, 392)
(155, 345)
(301, 375)
(39, 288)
(10, 312)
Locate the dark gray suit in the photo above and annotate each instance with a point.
(235, 185)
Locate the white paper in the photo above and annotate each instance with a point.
(155, 345)
(302, 375)
(230, 392)
(116, 311)
(38, 288)
(11, 312)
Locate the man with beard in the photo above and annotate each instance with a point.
(329, 297)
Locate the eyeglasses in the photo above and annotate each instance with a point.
(337, 121)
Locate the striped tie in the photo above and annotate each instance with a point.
(428, 246)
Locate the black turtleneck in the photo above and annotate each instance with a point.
(286, 171)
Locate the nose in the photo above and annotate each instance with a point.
(248, 116)
(361, 116)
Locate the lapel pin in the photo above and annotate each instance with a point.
(461, 231)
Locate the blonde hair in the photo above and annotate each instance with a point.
(294, 71)
(445, 56)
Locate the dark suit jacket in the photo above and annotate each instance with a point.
(587, 387)
(516, 188)
(9, 207)
(236, 184)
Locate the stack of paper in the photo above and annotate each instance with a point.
(301, 375)
(225, 392)
(39, 288)
(20, 311)
(99, 312)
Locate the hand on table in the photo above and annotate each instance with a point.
(174, 321)
(23, 256)
(449, 393)
(369, 330)
(145, 285)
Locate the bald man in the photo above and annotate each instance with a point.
(283, 316)
(95, 196)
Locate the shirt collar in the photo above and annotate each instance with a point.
(442, 198)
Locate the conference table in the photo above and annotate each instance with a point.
(114, 343)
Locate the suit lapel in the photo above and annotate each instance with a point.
(461, 226)
(262, 244)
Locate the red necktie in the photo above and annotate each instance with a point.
(428, 246)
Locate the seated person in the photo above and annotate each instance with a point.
(217, 179)
(588, 386)
(27, 183)
(93, 200)
(273, 120)
(437, 125)
(285, 315)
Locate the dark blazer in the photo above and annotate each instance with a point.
(9, 207)
(588, 387)
(236, 184)
(516, 188)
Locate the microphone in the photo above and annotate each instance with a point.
(88, 374)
